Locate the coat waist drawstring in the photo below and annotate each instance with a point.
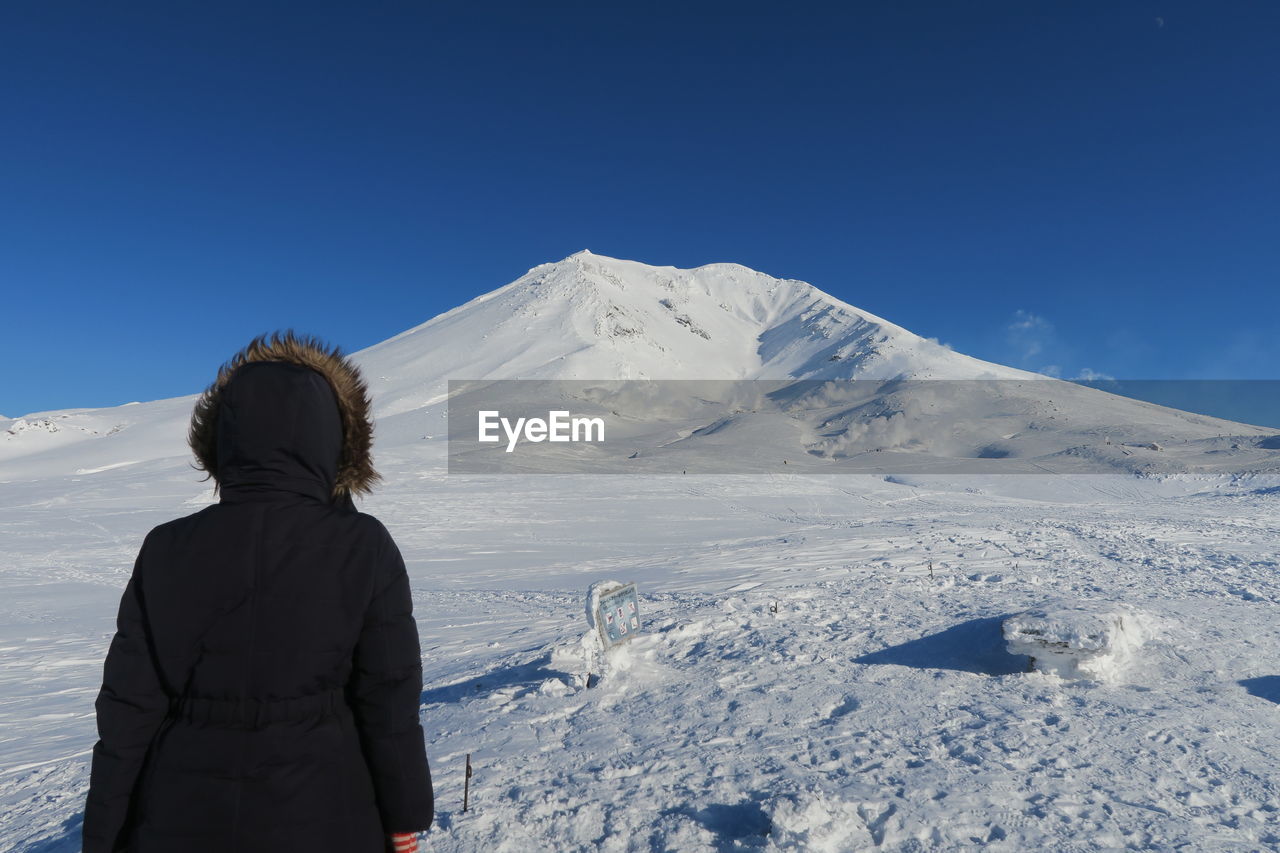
(257, 713)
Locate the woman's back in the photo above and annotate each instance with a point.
(262, 690)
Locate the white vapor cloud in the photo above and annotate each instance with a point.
(1028, 334)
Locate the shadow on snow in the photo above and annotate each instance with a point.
(526, 675)
(975, 646)
(66, 842)
(736, 827)
(1264, 687)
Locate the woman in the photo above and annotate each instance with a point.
(261, 692)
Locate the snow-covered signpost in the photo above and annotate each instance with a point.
(613, 614)
(613, 610)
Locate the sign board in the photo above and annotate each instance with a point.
(618, 615)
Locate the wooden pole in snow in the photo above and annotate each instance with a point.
(466, 787)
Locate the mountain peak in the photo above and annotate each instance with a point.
(595, 317)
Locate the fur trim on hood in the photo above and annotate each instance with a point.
(355, 464)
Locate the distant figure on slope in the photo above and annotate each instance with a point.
(261, 692)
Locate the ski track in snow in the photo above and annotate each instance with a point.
(876, 707)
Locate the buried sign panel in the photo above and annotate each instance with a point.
(617, 615)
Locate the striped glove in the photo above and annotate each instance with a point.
(404, 842)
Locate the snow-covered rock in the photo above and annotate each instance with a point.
(21, 425)
(1076, 639)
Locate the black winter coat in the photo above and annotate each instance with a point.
(262, 690)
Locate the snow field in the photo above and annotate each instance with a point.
(876, 707)
(732, 727)
(877, 703)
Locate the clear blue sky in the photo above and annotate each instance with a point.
(1088, 185)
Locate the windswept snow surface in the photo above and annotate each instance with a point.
(822, 667)
(876, 706)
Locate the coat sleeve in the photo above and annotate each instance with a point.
(131, 706)
(385, 693)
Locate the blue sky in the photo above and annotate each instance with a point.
(1087, 186)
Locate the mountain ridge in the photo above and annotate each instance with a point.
(591, 317)
(596, 317)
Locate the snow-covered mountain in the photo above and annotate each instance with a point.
(593, 317)
(590, 317)
(585, 317)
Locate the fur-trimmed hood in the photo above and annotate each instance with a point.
(354, 472)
